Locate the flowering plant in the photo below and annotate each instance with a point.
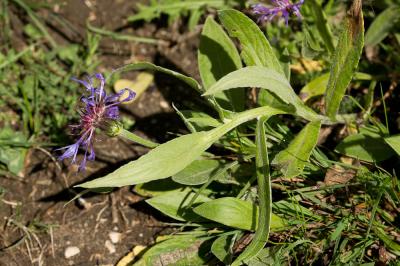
(255, 144)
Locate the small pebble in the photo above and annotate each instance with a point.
(110, 246)
(115, 237)
(164, 105)
(71, 251)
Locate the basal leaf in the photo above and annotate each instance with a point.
(178, 250)
(293, 159)
(217, 56)
(171, 157)
(235, 213)
(174, 203)
(366, 147)
(345, 59)
(197, 173)
(157, 187)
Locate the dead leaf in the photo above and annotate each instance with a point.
(336, 175)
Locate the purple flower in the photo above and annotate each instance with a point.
(282, 8)
(97, 112)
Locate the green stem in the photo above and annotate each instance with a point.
(135, 138)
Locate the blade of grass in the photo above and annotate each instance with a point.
(122, 37)
(264, 196)
(384, 109)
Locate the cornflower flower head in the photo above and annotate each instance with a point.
(283, 8)
(98, 111)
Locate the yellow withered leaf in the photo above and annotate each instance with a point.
(139, 85)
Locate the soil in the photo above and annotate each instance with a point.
(42, 214)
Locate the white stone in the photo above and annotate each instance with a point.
(71, 251)
(110, 246)
(115, 237)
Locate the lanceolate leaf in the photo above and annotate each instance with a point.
(262, 77)
(256, 50)
(293, 159)
(345, 59)
(235, 213)
(173, 156)
(149, 66)
(197, 173)
(264, 197)
(174, 204)
(217, 57)
(177, 250)
(366, 147)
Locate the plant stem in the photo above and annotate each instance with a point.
(135, 138)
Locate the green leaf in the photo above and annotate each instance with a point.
(157, 187)
(197, 173)
(12, 151)
(178, 250)
(221, 248)
(199, 121)
(173, 156)
(366, 147)
(235, 213)
(394, 142)
(173, 204)
(322, 25)
(217, 56)
(264, 197)
(382, 25)
(256, 50)
(148, 66)
(262, 77)
(345, 59)
(318, 86)
(293, 159)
